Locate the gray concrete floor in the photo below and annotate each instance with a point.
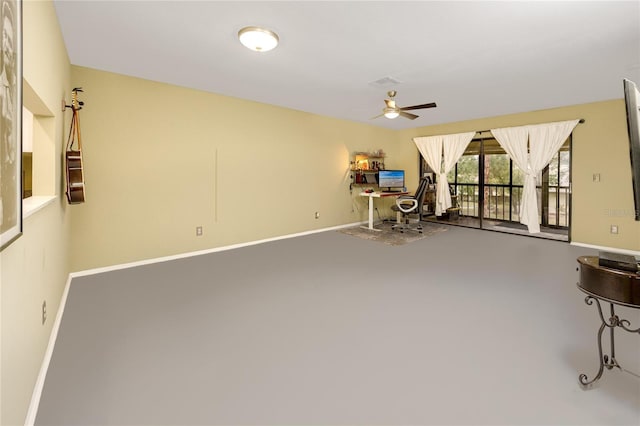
(465, 327)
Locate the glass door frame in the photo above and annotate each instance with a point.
(424, 168)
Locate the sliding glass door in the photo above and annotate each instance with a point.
(488, 188)
(502, 191)
(555, 195)
(465, 180)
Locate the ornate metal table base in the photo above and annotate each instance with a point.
(605, 360)
(613, 286)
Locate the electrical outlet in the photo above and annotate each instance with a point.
(596, 177)
(614, 229)
(44, 311)
(198, 231)
(317, 215)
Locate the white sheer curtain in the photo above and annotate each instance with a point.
(431, 149)
(454, 146)
(544, 141)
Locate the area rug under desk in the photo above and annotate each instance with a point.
(394, 238)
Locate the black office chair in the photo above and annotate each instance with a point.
(408, 205)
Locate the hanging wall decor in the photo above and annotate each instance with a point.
(73, 155)
(11, 122)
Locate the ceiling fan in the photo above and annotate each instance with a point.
(392, 110)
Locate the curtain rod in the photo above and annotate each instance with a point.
(484, 131)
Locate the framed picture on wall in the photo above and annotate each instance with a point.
(11, 122)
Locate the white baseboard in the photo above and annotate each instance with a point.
(609, 249)
(200, 252)
(39, 385)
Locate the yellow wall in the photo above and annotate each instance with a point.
(35, 267)
(160, 160)
(600, 145)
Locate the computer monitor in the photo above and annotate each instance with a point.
(391, 179)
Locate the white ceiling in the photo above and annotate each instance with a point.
(474, 59)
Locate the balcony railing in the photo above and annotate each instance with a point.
(502, 202)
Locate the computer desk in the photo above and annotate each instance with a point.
(377, 194)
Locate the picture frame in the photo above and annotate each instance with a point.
(10, 122)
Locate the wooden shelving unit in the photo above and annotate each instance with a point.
(365, 167)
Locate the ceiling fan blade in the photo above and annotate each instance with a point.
(429, 105)
(377, 116)
(390, 103)
(408, 115)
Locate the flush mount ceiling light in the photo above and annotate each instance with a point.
(258, 39)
